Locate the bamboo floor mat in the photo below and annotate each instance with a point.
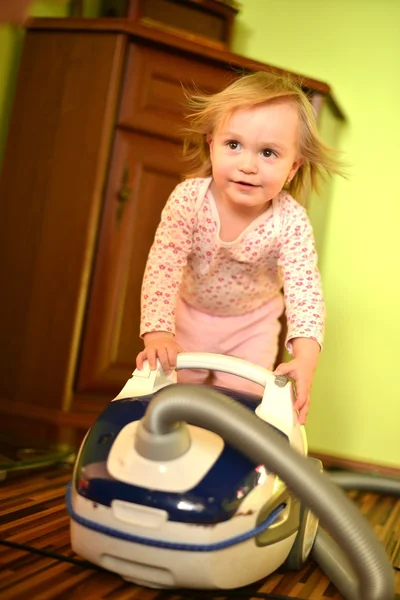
(33, 513)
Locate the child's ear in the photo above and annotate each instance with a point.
(299, 162)
(209, 139)
(295, 167)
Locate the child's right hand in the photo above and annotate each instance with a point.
(161, 345)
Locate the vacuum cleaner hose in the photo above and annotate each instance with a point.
(349, 480)
(372, 577)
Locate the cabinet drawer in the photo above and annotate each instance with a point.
(153, 99)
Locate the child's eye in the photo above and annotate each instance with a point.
(268, 153)
(233, 144)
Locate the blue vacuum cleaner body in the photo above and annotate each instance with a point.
(211, 518)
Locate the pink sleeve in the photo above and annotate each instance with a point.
(305, 307)
(167, 259)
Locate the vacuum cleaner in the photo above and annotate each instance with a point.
(201, 487)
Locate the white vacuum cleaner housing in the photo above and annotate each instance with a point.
(211, 518)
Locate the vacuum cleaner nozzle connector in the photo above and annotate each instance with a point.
(162, 446)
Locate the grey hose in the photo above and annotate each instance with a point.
(257, 440)
(328, 554)
(335, 564)
(364, 481)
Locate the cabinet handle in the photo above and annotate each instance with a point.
(124, 193)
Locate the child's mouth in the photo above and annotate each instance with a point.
(245, 184)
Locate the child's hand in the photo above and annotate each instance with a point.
(301, 370)
(302, 374)
(161, 345)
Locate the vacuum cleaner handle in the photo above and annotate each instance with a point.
(227, 364)
(146, 381)
(276, 406)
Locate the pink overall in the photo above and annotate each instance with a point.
(252, 336)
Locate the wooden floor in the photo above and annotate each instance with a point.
(32, 513)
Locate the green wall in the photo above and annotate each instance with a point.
(354, 45)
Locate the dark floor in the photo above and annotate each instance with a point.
(33, 514)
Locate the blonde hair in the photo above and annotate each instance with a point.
(208, 110)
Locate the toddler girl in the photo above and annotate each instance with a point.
(232, 235)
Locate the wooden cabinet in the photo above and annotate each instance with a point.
(146, 169)
(92, 155)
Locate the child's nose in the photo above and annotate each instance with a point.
(248, 163)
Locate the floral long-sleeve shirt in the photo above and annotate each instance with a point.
(232, 278)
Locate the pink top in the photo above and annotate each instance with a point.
(231, 278)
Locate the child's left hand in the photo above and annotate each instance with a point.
(301, 370)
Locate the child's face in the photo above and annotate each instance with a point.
(254, 152)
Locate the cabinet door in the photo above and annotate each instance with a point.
(143, 173)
